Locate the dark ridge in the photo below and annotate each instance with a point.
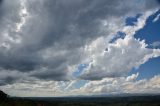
(137, 100)
(3, 95)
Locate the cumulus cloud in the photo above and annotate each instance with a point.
(121, 85)
(106, 86)
(45, 40)
(121, 56)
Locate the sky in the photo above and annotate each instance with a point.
(56, 48)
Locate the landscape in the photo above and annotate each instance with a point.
(79, 52)
(123, 100)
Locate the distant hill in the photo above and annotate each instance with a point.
(138, 100)
(3, 95)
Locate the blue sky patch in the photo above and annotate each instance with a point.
(117, 36)
(79, 70)
(79, 83)
(130, 21)
(151, 31)
(148, 70)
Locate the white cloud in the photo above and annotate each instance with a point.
(131, 30)
(155, 44)
(156, 18)
(128, 84)
(132, 77)
(122, 85)
(42, 43)
(13, 22)
(121, 56)
(143, 86)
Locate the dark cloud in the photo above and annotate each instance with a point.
(52, 74)
(1, 1)
(158, 1)
(100, 75)
(12, 76)
(21, 61)
(54, 33)
(7, 80)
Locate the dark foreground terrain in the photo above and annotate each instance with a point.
(152, 100)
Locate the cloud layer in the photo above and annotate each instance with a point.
(45, 41)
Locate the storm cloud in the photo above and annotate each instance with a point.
(46, 39)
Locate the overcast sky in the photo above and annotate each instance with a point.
(79, 47)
